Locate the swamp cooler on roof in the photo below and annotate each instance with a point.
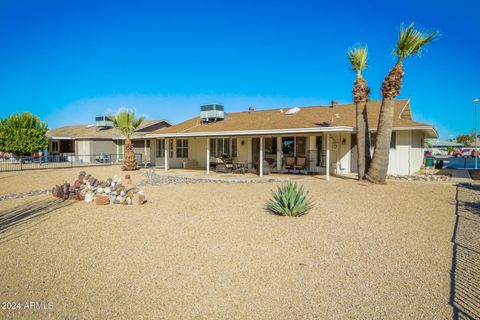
(212, 112)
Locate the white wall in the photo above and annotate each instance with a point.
(407, 157)
(416, 151)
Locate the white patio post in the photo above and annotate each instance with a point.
(208, 155)
(327, 164)
(279, 153)
(167, 146)
(260, 159)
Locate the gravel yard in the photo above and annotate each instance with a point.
(211, 251)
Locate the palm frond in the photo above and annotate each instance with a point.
(411, 41)
(126, 122)
(358, 58)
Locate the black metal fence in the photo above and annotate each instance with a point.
(67, 160)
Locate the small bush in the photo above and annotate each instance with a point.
(290, 200)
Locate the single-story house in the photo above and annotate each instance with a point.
(324, 137)
(99, 141)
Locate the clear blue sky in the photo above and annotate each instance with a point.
(68, 61)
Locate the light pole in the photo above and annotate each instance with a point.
(475, 104)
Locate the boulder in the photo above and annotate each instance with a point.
(78, 184)
(57, 191)
(101, 201)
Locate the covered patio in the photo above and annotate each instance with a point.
(321, 151)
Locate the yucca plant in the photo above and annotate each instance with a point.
(290, 200)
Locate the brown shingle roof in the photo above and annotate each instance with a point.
(93, 132)
(307, 117)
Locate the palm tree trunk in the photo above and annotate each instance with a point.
(363, 140)
(377, 172)
(129, 161)
(360, 140)
(368, 155)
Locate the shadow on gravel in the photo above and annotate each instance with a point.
(465, 273)
(34, 211)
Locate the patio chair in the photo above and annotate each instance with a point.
(300, 164)
(289, 163)
(224, 163)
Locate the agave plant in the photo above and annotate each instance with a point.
(290, 200)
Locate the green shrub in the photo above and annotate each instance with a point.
(290, 200)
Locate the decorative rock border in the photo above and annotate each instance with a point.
(421, 177)
(24, 194)
(155, 179)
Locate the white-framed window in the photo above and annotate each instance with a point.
(234, 147)
(393, 140)
(182, 148)
(55, 146)
(170, 148)
(219, 146)
(160, 148)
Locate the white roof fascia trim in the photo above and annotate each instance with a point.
(60, 138)
(246, 132)
(403, 109)
(432, 128)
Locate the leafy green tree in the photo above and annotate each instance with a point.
(465, 139)
(126, 123)
(23, 134)
(410, 43)
(450, 150)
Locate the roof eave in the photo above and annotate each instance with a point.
(247, 132)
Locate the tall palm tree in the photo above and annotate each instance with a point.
(126, 123)
(358, 60)
(410, 42)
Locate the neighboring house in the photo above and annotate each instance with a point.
(100, 141)
(324, 135)
(440, 146)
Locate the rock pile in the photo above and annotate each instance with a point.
(113, 190)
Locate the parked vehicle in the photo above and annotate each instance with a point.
(457, 153)
(468, 152)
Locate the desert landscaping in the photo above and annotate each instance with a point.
(211, 250)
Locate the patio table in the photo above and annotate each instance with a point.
(242, 166)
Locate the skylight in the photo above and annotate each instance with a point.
(292, 111)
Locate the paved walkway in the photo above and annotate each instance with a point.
(461, 176)
(465, 273)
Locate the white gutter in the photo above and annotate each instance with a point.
(60, 138)
(426, 128)
(246, 132)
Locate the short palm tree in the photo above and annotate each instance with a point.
(410, 43)
(126, 123)
(358, 60)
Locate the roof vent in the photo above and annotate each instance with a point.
(292, 111)
(212, 112)
(103, 122)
